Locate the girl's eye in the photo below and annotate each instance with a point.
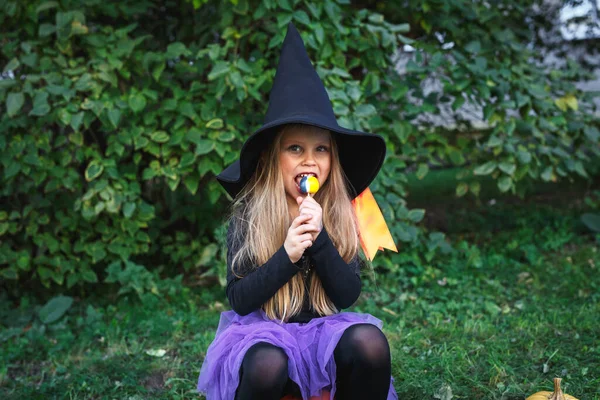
(323, 148)
(294, 148)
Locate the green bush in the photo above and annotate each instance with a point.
(116, 117)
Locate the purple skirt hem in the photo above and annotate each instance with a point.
(309, 347)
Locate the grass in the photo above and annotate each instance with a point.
(515, 305)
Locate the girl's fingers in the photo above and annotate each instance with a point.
(307, 228)
(305, 237)
(299, 220)
(311, 207)
(306, 244)
(309, 200)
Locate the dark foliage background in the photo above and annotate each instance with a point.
(115, 117)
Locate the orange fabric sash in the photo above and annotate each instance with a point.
(374, 233)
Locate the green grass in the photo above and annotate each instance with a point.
(515, 305)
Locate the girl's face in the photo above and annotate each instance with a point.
(303, 152)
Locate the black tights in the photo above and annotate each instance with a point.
(362, 359)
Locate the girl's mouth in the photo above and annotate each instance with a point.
(299, 177)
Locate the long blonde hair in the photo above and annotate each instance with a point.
(257, 211)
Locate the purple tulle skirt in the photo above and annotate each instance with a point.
(309, 347)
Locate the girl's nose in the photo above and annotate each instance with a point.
(309, 159)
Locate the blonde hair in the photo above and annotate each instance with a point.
(257, 211)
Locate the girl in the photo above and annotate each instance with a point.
(293, 259)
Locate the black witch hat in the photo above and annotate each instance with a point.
(298, 96)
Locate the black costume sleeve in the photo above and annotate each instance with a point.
(258, 285)
(340, 280)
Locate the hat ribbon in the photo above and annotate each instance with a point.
(374, 233)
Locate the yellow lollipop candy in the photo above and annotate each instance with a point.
(309, 185)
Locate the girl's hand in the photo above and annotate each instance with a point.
(309, 206)
(298, 237)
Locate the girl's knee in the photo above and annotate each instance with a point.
(367, 343)
(265, 365)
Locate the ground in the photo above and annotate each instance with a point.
(514, 306)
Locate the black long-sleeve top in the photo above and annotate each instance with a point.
(340, 280)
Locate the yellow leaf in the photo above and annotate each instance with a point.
(571, 102)
(566, 102)
(560, 103)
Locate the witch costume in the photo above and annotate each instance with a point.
(308, 339)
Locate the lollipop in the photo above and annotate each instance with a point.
(309, 185)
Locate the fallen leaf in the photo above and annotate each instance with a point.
(156, 353)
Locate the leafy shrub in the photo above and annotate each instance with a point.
(116, 118)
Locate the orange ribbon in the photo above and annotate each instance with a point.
(374, 233)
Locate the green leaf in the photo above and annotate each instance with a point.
(40, 104)
(192, 182)
(216, 123)
(12, 65)
(580, 169)
(508, 167)
(137, 102)
(524, 156)
(475, 188)
(114, 115)
(319, 33)
(14, 102)
(9, 273)
(93, 170)
(159, 136)
(365, 110)
(236, 79)
(376, 18)
(204, 147)
(23, 261)
(46, 6)
(64, 116)
(55, 309)
(592, 133)
(128, 209)
(494, 141)
(456, 156)
(341, 110)
(186, 160)
(458, 102)
(473, 47)
(226, 137)
(221, 68)
(548, 174)
(504, 183)
(416, 215)
(592, 221)
(461, 189)
(76, 120)
(285, 4)
(84, 83)
(485, 169)
(89, 276)
(46, 29)
(176, 50)
(12, 169)
(302, 17)
(422, 171)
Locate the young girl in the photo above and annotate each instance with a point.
(293, 259)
